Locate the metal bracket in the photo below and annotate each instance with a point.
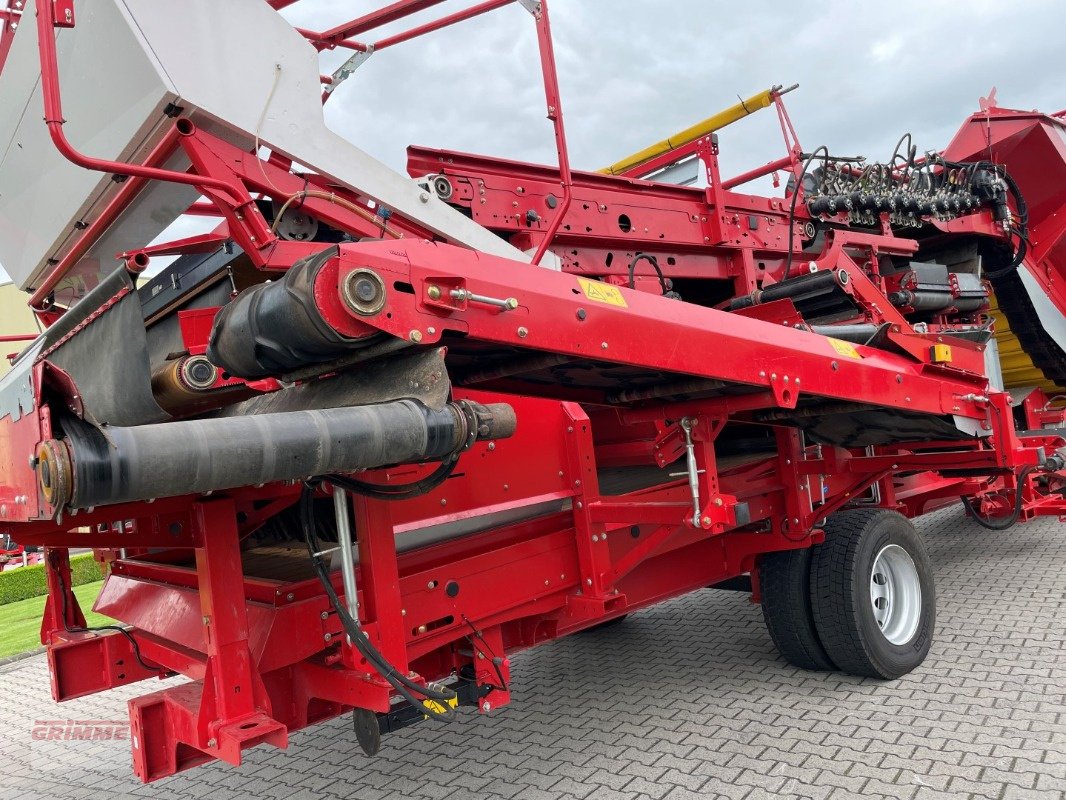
(345, 70)
(532, 6)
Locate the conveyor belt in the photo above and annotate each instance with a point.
(1028, 355)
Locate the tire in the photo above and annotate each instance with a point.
(785, 588)
(883, 636)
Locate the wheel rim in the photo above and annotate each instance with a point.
(896, 594)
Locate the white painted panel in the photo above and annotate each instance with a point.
(223, 59)
(113, 99)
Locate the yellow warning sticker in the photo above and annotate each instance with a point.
(602, 292)
(844, 348)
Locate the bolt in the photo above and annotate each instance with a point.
(580, 505)
(588, 581)
(718, 501)
(415, 336)
(545, 581)
(486, 706)
(324, 615)
(424, 197)
(290, 597)
(443, 501)
(492, 445)
(212, 743)
(421, 628)
(603, 345)
(523, 333)
(432, 331)
(207, 620)
(706, 521)
(328, 636)
(595, 538)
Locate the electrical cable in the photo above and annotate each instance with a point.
(493, 658)
(259, 125)
(94, 629)
(332, 198)
(404, 686)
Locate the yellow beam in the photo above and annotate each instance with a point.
(713, 123)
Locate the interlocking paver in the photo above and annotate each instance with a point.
(685, 700)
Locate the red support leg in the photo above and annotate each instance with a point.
(230, 711)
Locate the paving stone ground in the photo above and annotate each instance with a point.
(685, 700)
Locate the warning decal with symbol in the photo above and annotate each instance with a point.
(602, 292)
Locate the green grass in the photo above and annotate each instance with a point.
(20, 622)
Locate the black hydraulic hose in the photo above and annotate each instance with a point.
(389, 491)
(655, 265)
(1008, 522)
(404, 686)
(792, 207)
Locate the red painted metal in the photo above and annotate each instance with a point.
(546, 532)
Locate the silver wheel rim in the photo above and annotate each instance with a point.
(896, 594)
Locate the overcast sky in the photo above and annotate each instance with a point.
(634, 71)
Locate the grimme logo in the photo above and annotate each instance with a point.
(79, 730)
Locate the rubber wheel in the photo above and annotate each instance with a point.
(785, 588)
(872, 593)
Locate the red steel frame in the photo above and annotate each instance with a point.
(268, 656)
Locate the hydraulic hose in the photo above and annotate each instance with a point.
(992, 524)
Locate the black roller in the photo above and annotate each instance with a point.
(818, 296)
(275, 328)
(169, 459)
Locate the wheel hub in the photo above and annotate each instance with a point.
(896, 594)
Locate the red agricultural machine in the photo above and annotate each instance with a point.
(375, 433)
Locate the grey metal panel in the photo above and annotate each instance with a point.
(243, 66)
(113, 99)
